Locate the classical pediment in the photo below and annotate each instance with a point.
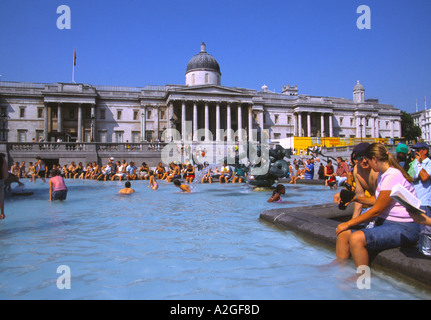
(210, 93)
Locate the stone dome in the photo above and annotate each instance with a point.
(358, 87)
(203, 61)
(358, 93)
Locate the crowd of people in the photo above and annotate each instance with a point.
(302, 169)
(121, 170)
(378, 222)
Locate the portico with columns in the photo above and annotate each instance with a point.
(225, 115)
(312, 122)
(69, 110)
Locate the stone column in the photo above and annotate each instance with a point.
(183, 121)
(229, 123)
(218, 138)
(207, 123)
(308, 124)
(364, 127)
(299, 124)
(79, 139)
(322, 125)
(250, 123)
(59, 118)
(144, 123)
(377, 122)
(170, 125)
(195, 121)
(45, 123)
(156, 122)
(331, 129)
(239, 123)
(295, 124)
(261, 124)
(358, 127)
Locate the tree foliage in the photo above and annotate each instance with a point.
(409, 130)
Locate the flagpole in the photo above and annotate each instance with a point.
(73, 66)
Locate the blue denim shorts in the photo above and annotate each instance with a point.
(390, 234)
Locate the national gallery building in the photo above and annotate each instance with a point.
(76, 112)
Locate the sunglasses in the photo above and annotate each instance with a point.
(359, 158)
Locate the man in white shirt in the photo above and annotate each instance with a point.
(225, 173)
(422, 184)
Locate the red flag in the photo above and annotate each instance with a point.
(74, 57)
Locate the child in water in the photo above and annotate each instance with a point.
(276, 195)
(153, 183)
(183, 187)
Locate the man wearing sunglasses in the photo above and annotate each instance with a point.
(422, 184)
(364, 177)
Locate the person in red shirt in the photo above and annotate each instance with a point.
(342, 170)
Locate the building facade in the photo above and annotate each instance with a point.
(76, 112)
(422, 119)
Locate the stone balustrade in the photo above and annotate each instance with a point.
(65, 152)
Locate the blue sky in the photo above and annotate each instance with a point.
(312, 43)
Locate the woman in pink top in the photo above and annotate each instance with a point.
(57, 187)
(393, 228)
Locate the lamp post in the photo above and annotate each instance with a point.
(360, 126)
(162, 135)
(93, 119)
(173, 122)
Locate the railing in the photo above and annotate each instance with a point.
(22, 84)
(80, 147)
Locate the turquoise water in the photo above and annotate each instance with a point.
(165, 244)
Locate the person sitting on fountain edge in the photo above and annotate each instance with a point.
(225, 173)
(309, 170)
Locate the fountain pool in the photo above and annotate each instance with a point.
(165, 244)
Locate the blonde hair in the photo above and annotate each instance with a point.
(379, 151)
